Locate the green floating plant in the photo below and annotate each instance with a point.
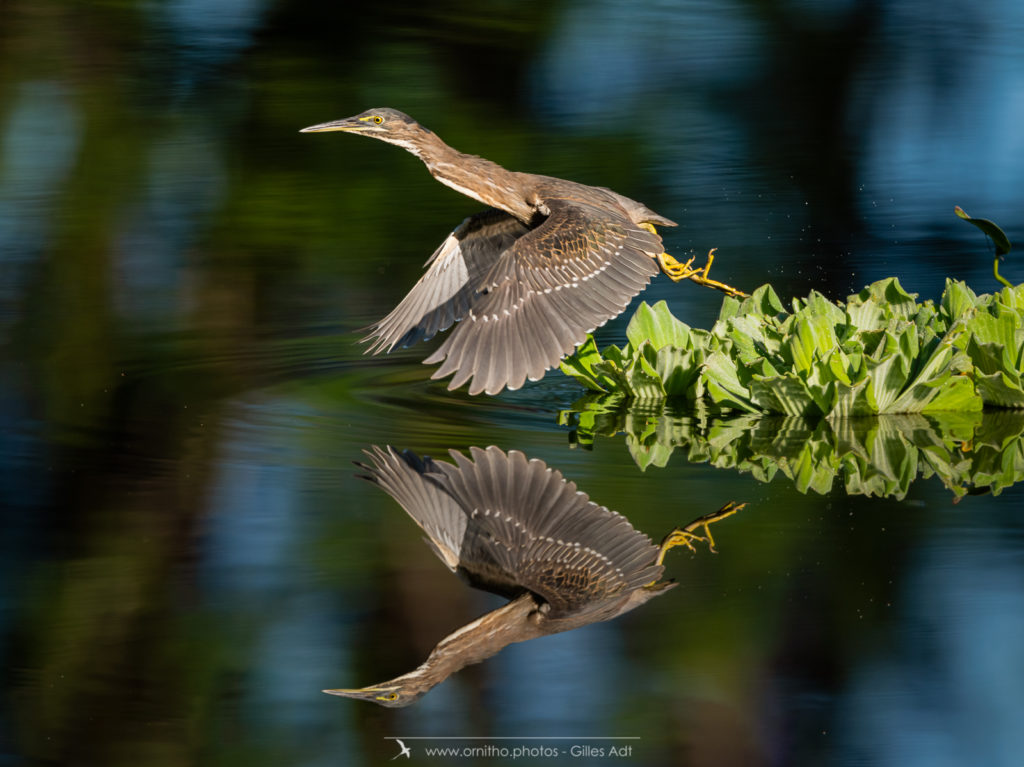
(882, 456)
(880, 352)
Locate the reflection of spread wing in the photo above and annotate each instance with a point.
(455, 271)
(528, 528)
(555, 284)
(404, 476)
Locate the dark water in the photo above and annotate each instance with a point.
(186, 556)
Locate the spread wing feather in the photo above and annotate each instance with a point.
(445, 292)
(524, 298)
(531, 529)
(406, 478)
(553, 285)
(510, 525)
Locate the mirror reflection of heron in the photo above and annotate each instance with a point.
(549, 261)
(514, 527)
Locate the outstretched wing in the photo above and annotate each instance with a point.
(530, 529)
(454, 272)
(405, 477)
(541, 297)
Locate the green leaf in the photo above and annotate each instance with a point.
(868, 315)
(644, 381)
(937, 383)
(889, 294)
(1012, 298)
(821, 386)
(764, 301)
(819, 306)
(885, 381)
(999, 238)
(841, 367)
(999, 330)
(679, 371)
(723, 383)
(958, 300)
(657, 326)
(784, 394)
(813, 336)
(730, 308)
(1000, 389)
(1002, 331)
(580, 365)
(988, 358)
(850, 401)
(958, 394)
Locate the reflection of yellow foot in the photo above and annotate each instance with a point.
(684, 536)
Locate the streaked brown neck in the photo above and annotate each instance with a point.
(476, 641)
(478, 178)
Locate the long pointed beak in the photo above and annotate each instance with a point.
(342, 125)
(357, 693)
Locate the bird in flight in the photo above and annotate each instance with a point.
(528, 278)
(517, 528)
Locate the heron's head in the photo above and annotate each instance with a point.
(393, 694)
(385, 124)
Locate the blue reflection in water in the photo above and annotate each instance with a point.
(254, 524)
(950, 693)
(185, 184)
(292, 661)
(606, 58)
(565, 681)
(930, 118)
(205, 34)
(38, 147)
(948, 112)
(253, 571)
(214, 27)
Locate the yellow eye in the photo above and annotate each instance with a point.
(390, 695)
(378, 120)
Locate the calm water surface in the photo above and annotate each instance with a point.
(187, 556)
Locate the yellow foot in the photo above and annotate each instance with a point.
(684, 536)
(677, 271)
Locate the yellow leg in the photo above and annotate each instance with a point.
(677, 271)
(684, 536)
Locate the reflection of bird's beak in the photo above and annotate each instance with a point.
(342, 125)
(359, 693)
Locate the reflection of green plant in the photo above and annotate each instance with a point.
(878, 456)
(880, 352)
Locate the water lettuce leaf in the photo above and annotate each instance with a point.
(880, 352)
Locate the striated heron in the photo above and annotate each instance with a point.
(514, 527)
(549, 261)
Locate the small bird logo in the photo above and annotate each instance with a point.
(406, 752)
